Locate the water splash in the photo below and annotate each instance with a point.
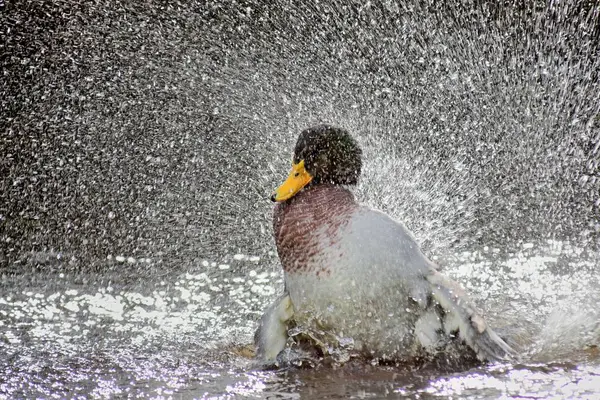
(158, 131)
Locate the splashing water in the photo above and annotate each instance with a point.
(139, 145)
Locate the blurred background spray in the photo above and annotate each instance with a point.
(160, 129)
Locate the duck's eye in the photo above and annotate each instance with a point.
(297, 174)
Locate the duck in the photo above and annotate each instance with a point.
(358, 274)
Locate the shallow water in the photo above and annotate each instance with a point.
(182, 336)
(140, 142)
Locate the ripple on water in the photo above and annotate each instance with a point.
(158, 335)
(185, 333)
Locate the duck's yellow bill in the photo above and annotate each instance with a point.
(297, 179)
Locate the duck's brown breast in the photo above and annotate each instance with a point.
(310, 224)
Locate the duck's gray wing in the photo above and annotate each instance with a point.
(460, 316)
(271, 336)
(446, 308)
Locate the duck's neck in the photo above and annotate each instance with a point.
(310, 221)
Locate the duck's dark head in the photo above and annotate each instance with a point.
(323, 155)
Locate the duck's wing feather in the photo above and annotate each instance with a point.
(271, 336)
(460, 315)
(432, 290)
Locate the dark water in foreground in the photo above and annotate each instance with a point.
(139, 143)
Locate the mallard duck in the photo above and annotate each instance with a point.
(356, 272)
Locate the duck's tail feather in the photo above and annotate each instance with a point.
(460, 315)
